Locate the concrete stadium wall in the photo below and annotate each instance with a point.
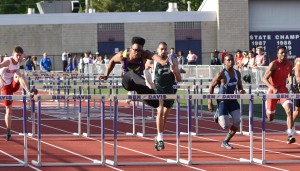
(209, 40)
(152, 32)
(35, 39)
(233, 25)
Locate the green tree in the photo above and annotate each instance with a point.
(20, 6)
(17, 6)
(136, 5)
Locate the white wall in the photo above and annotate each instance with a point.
(274, 15)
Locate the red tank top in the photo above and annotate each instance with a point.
(279, 76)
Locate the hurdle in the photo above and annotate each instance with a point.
(189, 161)
(263, 159)
(93, 162)
(23, 162)
(115, 162)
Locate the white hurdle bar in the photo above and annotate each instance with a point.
(39, 161)
(23, 162)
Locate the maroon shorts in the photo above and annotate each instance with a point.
(9, 90)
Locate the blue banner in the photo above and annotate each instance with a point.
(270, 40)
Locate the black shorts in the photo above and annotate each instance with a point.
(133, 82)
(170, 90)
(297, 89)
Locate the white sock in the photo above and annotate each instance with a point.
(289, 132)
(293, 130)
(148, 78)
(160, 137)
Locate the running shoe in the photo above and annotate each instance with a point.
(159, 145)
(291, 140)
(226, 145)
(7, 137)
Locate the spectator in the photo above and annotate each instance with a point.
(45, 63)
(75, 63)
(180, 57)
(254, 51)
(106, 60)
(86, 61)
(91, 58)
(64, 58)
(172, 53)
(29, 65)
(192, 58)
(215, 60)
(260, 58)
(181, 61)
(99, 60)
(35, 63)
(223, 54)
(238, 59)
(81, 64)
(70, 64)
(245, 67)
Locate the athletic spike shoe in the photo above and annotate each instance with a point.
(291, 140)
(226, 145)
(160, 145)
(7, 137)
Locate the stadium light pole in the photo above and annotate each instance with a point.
(86, 6)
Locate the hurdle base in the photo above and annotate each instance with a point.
(187, 162)
(31, 135)
(14, 165)
(130, 134)
(241, 161)
(110, 162)
(186, 133)
(76, 133)
(94, 163)
(86, 134)
(259, 161)
(281, 161)
(245, 133)
(168, 162)
(140, 134)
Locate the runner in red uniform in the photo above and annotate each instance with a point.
(275, 78)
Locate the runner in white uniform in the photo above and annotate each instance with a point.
(12, 79)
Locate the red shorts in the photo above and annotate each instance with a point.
(9, 90)
(271, 103)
